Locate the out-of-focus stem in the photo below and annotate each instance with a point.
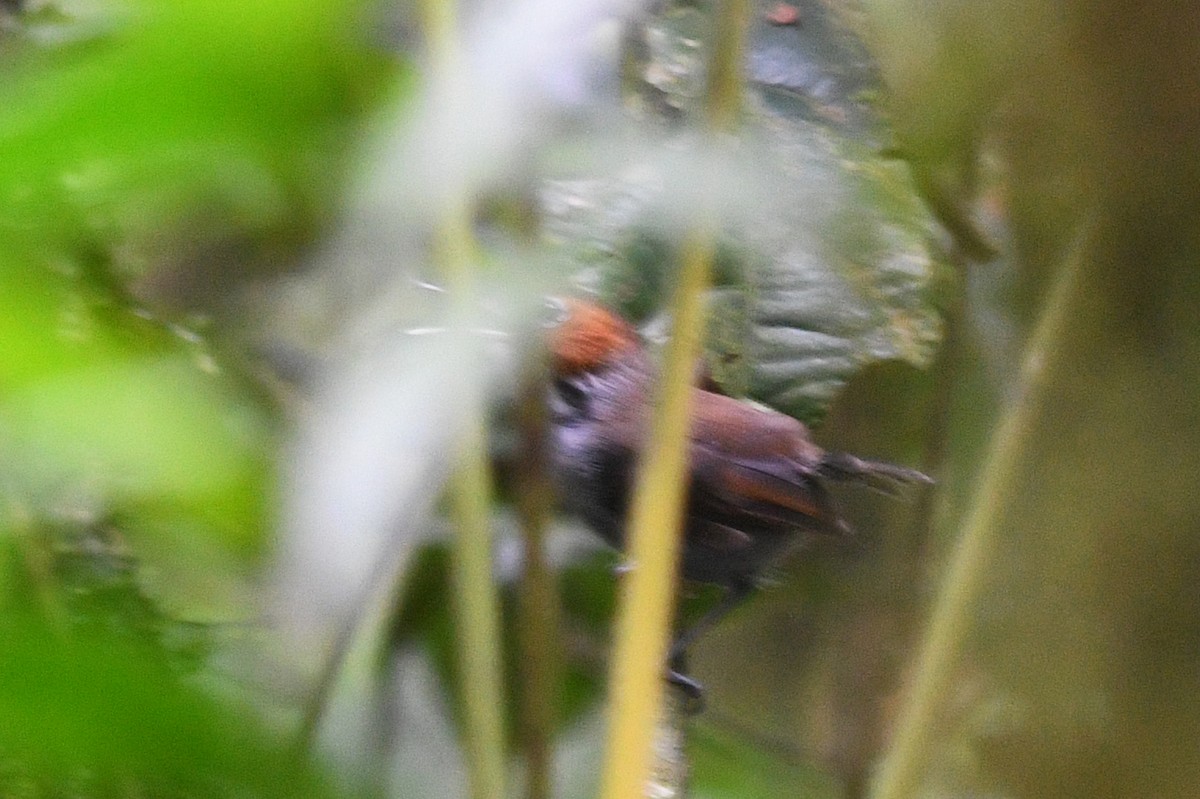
(655, 523)
(905, 762)
(477, 614)
(656, 512)
(539, 628)
(723, 91)
(477, 607)
(476, 603)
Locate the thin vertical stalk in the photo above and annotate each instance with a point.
(477, 607)
(656, 512)
(655, 525)
(905, 762)
(477, 615)
(539, 629)
(723, 90)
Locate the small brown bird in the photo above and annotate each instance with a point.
(757, 483)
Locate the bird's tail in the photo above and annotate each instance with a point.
(886, 478)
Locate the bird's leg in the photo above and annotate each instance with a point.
(735, 594)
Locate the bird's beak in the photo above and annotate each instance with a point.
(556, 312)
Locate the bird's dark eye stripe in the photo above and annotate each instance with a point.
(573, 394)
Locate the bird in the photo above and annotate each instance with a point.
(757, 483)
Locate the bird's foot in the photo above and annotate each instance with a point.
(693, 692)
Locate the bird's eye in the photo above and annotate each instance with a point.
(571, 396)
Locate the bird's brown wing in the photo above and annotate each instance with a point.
(766, 495)
(755, 469)
(743, 514)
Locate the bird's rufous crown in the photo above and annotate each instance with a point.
(589, 337)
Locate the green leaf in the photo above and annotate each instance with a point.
(826, 264)
(836, 292)
(98, 716)
(725, 765)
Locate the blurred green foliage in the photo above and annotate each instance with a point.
(128, 124)
(132, 114)
(138, 140)
(92, 714)
(728, 764)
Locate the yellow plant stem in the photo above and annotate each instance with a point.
(477, 615)
(655, 522)
(904, 765)
(477, 607)
(723, 92)
(653, 543)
